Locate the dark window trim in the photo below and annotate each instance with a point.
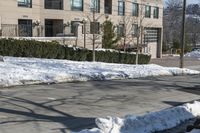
(147, 15)
(73, 8)
(27, 26)
(137, 13)
(97, 7)
(119, 10)
(25, 4)
(154, 14)
(61, 6)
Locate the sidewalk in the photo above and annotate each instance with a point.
(174, 61)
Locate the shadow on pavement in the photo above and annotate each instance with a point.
(173, 103)
(194, 90)
(68, 121)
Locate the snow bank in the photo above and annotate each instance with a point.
(19, 71)
(195, 131)
(152, 122)
(193, 54)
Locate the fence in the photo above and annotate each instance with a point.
(37, 33)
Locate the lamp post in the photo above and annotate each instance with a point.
(183, 36)
(84, 31)
(93, 34)
(37, 24)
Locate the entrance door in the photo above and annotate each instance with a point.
(25, 28)
(53, 27)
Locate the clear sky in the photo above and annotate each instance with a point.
(191, 1)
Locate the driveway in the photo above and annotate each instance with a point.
(60, 108)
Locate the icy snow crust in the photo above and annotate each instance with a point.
(19, 71)
(149, 123)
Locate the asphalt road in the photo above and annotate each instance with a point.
(60, 108)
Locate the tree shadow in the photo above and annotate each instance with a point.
(174, 103)
(19, 108)
(194, 90)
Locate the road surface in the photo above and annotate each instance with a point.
(60, 108)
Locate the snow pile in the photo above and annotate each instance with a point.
(152, 122)
(18, 71)
(194, 54)
(195, 131)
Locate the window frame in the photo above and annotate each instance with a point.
(147, 11)
(156, 12)
(53, 7)
(97, 5)
(135, 7)
(25, 3)
(76, 8)
(26, 25)
(120, 30)
(121, 9)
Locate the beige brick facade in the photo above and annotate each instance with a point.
(11, 13)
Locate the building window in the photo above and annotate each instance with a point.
(120, 30)
(135, 30)
(151, 35)
(95, 5)
(156, 12)
(25, 3)
(77, 5)
(94, 27)
(121, 8)
(135, 9)
(25, 27)
(54, 4)
(148, 11)
(108, 6)
(53, 27)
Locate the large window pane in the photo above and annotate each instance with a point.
(95, 5)
(77, 5)
(25, 3)
(120, 30)
(148, 11)
(156, 12)
(25, 27)
(54, 4)
(134, 9)
(108, 6)
(121, 8)
(151, 35)
(94, 27)
(135, 29)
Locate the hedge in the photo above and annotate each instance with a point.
(53, 50)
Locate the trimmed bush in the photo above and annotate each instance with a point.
(53, 50)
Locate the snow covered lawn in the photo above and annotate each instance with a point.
(149, 123)
(19, 71)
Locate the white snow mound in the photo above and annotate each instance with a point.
(152, 122)
(193, 54)
(19, 71)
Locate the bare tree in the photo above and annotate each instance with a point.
(172, 20)
(94, 25)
